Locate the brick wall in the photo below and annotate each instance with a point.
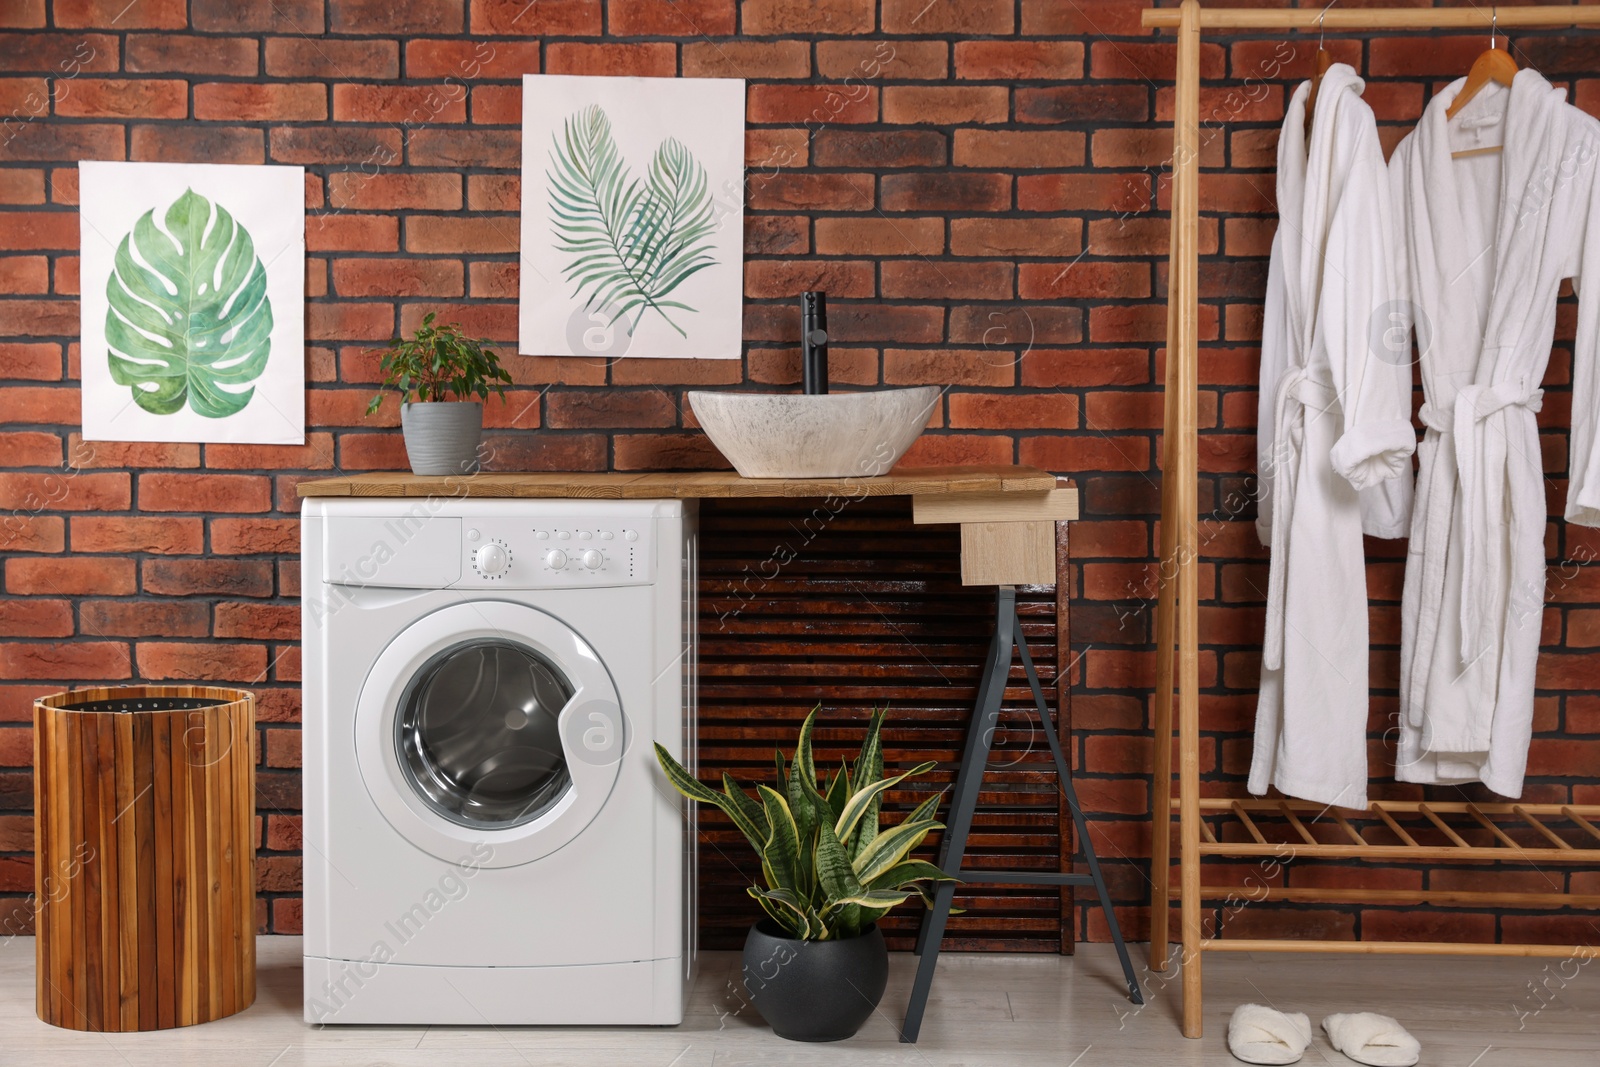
(979, 184)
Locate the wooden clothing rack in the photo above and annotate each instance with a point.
(1386, 831)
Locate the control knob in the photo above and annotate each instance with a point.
(556, 558)
(492, 560)
(592, 559)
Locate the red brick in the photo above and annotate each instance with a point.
(824, 192)
(954, 17)
(203, 492)
(284, 831)
(32, 533)
(348, 407)
(372, 451)
(38, 229)
(255, 536)
(162, 53)
(822, 104)
(1400, 57)
(352, 233)
(1000, 327)
(397, 277)
(899, 323)
(1012, 61)
(212, 576)
(1222, 105)
(117, 454)
(54, 142)
(466, 148)
(951, 450)
(31, 448)
(70, 575)
(548, 18)
(411, 105)
(745, 59)
(1084, 102)
(666, 451)
(24, 14)
(880, 148)
(1012, 148)
(1103, 18)
(1143, 236)
(145, 618)
(1087, 452)
(329, 145)
(922, 366)
(675, 372)
(24, 274)
(293, 16)
(193, 143)
(20, 186)
(1083, 280)
(277, 874)
(117, 533)
(1054, 237)
(583, 409)
(778, 18)
(497, 105)
(372, 17)
(1151, 62)
(257, 102)
(1001, 411)
(66, 660)
(770, 151)
(781, 366)
(59, 54)
(211, 661)
(470, 60)
(947, 279)
(946, 105)
(315, 454)
(70, 491)
(34, 617)
(872, 60)
(770, 279)
(32, 405)
(494, 192)
(105, 14)
(349, 322)
(66, 275)
(495, 321)
(643, 60)
(672, 18)
(327, 58)
(880, 236)
(945, 192)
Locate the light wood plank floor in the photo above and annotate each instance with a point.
(1029, 1011)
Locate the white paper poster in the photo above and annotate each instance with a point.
(193, 279)
(632, 217)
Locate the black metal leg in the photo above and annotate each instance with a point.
(1008, 637)
(969, 778)
(1064, 774)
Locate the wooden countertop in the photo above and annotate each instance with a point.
(905, 481)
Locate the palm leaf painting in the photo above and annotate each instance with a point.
(189, 323)
(632, 242)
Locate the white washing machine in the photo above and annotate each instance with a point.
(488, 839)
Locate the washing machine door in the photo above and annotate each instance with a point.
(489, 733)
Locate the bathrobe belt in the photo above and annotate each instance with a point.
(1480, 437)
(1301, 390)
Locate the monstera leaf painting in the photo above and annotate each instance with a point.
(632, 217)
(189, 321)
(630, 243)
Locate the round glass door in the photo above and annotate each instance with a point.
(478, 734)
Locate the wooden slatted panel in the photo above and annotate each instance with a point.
(849, 605)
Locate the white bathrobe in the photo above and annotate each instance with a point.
(1487, 240)
(1335, 419)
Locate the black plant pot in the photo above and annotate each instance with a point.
(814, 990)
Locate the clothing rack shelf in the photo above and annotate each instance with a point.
(1177, 615)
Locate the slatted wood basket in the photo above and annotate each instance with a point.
(144, 864)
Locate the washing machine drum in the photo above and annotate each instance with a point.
(489, 726)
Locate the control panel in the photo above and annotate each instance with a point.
(555, 552)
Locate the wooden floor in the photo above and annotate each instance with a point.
(985, 1010)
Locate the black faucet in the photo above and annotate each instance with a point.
(814, 342)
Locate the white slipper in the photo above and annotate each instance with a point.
(1372, 1039)
(1258, 1034)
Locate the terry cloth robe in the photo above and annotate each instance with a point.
(1335, 419)
(1487, 241)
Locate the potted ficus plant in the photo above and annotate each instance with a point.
(816, 964)
(438, 371)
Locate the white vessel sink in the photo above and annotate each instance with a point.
(832, 435)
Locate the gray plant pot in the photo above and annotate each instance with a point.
(442, 436)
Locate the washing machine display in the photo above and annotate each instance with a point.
(478, 734)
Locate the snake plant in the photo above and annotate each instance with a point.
(830, 870)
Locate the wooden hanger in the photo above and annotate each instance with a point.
(1324, 61)
(1495, 65)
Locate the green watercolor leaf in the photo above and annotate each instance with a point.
(631, 242)
(189, 322)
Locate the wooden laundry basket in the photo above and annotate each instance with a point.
(144, 858)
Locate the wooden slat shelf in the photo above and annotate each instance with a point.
(1403, 820)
